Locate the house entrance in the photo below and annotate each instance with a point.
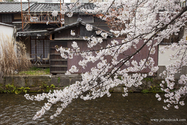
(58, 65)
(40, 49)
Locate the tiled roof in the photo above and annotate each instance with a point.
(88, 6)
(45, 7)
(35, 27)
(4, 24)
(13, 7)
(36, 30)
(79, 21)
(48, 7)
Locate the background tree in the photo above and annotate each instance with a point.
(141, 24)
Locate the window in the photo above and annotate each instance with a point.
(7, 18)
(46, 48)
(39, 48)
(39, 45)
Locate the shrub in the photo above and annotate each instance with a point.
(12, 56)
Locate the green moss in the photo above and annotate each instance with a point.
(46, 88)
(147, 79)
(52, 86)
(1, 88)
(145, 91)
(58, 80)
(130, 91)
(152, 89)
(47, 70)
(10, 88)
(35, 71)
(23, 89)
(111, 90)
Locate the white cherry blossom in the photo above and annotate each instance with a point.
(89, 27)
(72, 33)
(115, 63)
(54, 13)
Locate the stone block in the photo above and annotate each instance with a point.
(19, 81)
(118, 89)
(35, 81)
(64, 81)
(30, 81)
(9, 80)
(60, 81)
(72, 80)
(1, 77)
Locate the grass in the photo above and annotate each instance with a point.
(152, 89)
(35, 71)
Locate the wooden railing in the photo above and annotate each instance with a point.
(41, 18)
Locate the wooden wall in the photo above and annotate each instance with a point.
(66, 33)
(141, 55)
(80, 31)
(58, 65)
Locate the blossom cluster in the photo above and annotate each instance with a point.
(175, 98)
(148, 21)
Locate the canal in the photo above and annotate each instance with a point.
(136, 109)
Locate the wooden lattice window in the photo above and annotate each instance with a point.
(7, 18)
(40, 48)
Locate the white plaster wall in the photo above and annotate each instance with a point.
(164, 59)
(6, 31)
(6, 36)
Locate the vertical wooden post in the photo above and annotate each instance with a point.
(60, 13)
(29, 10)
(22, 15)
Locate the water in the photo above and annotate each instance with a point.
(136, 109)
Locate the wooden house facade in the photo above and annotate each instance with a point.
(41, 32)
(62, 37)
(10, 12)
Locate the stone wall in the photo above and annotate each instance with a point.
(177, 75)
(39, 83)
(60, 81)
(36, 83)
(1, 77)
(1, 81)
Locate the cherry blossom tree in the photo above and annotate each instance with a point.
(150, 21)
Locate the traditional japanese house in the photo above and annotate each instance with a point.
(41, 32)
(35, 30)
(10, 12)
(38, 23)
(62, 37)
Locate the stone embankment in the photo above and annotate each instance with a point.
(47, 82)
(37, 83)
(42, 83)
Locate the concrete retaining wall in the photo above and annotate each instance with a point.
(59, 81)
(35, 83)
(1, 77)
(177, 75)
